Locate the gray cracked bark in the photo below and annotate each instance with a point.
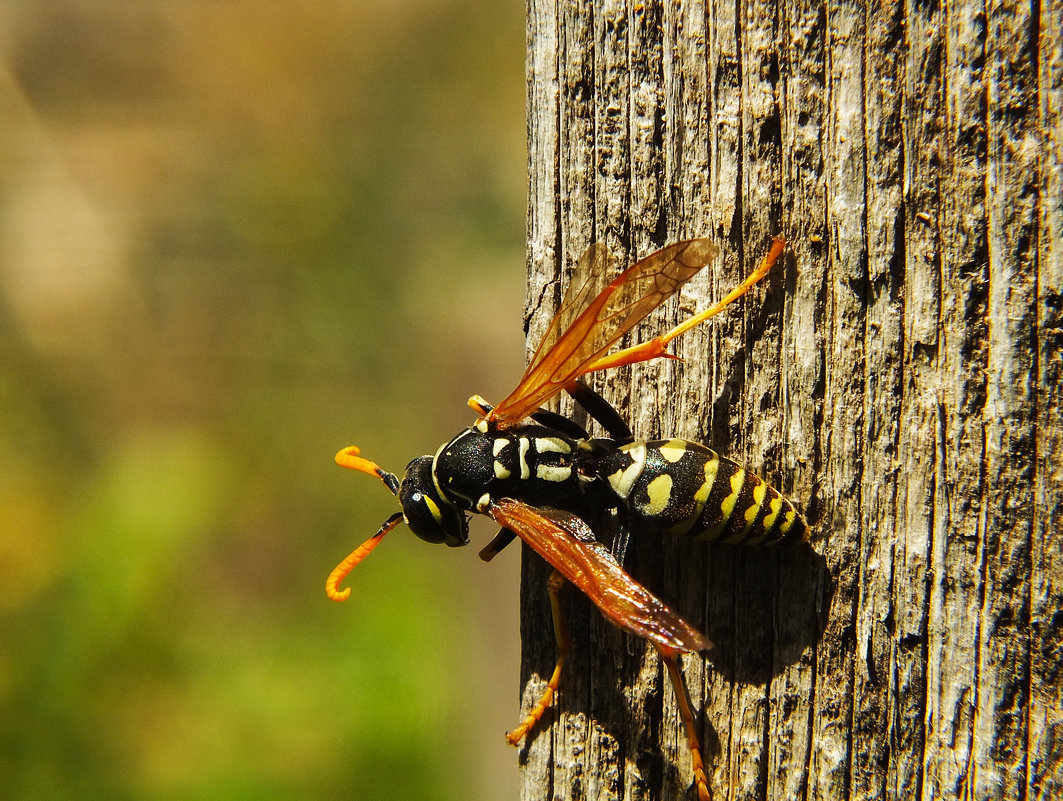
(899, 377)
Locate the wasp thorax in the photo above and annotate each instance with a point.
(430, 517)
(464, 467)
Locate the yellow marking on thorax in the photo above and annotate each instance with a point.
(522, 455)
(548, 472)
(552, 445)
(501, 471)
(435, 478)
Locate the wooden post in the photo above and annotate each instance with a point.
(899, 376)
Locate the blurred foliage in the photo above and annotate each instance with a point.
(235, 237)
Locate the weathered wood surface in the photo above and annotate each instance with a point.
(899, 377)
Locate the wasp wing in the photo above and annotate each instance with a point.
(567, 543)
(585, 328)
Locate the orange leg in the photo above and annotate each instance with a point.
(671, 661)
(658, 346)
(553, 587)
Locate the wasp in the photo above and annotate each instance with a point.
(541, 476)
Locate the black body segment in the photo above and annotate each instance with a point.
(674, 486)
(533, 462)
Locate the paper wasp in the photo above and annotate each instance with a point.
(541, 476)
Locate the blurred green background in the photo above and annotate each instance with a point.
(235, 237)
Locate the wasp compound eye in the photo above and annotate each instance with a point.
(428, 516)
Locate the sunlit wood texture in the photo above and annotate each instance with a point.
(899, 376)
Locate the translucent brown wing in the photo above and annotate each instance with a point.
(568, 545)
(592, 318)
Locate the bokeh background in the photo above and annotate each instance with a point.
(236, 236)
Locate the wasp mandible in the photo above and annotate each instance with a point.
(541, 476)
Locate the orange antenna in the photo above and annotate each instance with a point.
(349, 457)
(340, 572)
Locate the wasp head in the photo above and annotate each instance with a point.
(429, 516)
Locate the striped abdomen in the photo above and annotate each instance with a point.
(685, 488)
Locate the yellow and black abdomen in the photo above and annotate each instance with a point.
(685, 488)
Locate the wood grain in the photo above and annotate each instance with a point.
(899, 377)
